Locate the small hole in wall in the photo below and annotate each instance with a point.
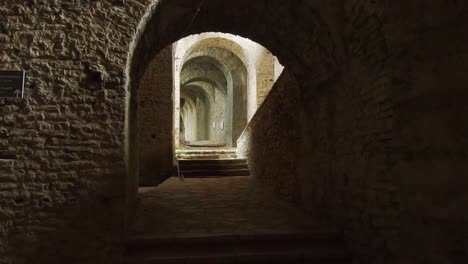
(19, 201)
(153, 136)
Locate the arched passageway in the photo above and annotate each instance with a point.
(309, 72)
(218, 76)
(363, 129)
(207, 73)
(336, 128)
(199, 70)
(239, 65)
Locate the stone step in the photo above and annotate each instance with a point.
(317, 247)
(214, 173)
(189, 151)
(212, 161)
(219, 166)
(201, 168)
(190, 154)
(277, 256)
(319, 237)
(206, 156)
(204, 145)
(206, 153)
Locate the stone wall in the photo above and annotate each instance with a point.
(60, 189)
(265, 75)
(155, 108)
(271, 140)
(429, 154)
(217, 134)
(381, 143)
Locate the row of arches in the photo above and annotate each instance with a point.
(303, 41)
(199, 91)
(217, 87)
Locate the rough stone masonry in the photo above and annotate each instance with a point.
(382, 133)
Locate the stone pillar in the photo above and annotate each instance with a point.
(155, 107)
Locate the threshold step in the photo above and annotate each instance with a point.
(314, 247)
(295, 256)
(211, 161)
(214, 167)
(319, 237)
(215, 173)
(207, 151)
(206, 157)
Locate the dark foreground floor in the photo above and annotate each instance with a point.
(215, 206)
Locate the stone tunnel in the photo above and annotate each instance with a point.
(346, 117)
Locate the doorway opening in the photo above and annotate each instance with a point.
(196, 98)
(202, 78)
(219, 82)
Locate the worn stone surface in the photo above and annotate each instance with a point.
(64, 192)
(359, 163)
(429, 157)
(216, 206)
(155, 108)
(271, 140)
(265, 75)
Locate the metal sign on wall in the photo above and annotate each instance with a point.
(12, 83)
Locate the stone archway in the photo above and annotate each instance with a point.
(222, 66)
(314, 59)
(151, 37)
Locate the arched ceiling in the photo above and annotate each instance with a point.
(220, 43)
(225, 59)
(312, 57)
(202, 69)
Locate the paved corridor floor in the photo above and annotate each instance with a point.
(215, 206)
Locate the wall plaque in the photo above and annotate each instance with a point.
(12, 84)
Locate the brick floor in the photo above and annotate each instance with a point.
(215, 206)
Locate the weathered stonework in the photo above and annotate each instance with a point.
(155, 108)
(429, 150)
(203, 78)
(358, 163)
(67, 134)
(274, 133)
(383, 135)
(249, 73)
